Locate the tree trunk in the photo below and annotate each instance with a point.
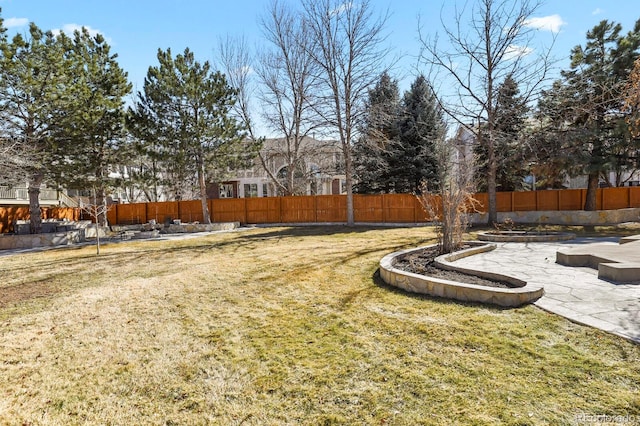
(206, 218)
(34, 203)
(348, 164)
(491, 182)
(592, 186)
(99, 201)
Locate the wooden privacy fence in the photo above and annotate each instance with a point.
(383, 208)
(388, 208)
(9, 215)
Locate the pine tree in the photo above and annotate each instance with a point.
(421, 125)
(585, 111)
(379, 141)
(89, 130)
(184, 115)
(32, 75)
(511, 112)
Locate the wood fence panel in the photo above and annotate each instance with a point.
(298, 209)
(191, 211)
(130, 214)
(483, 201)
(332, 208)
(503, 202)
(569, 199)
(368, 208)
(547, 200)
(634, 196)
(112, 215)
(400, 208)
(263, 210)
(61, 213)
(615, 198)
(163, 211)
(8, 216)
(228, 210)
(423, 214)
(524, 201)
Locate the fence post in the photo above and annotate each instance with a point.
(415, 210)
(315, 208)
(385, 212)
(244, 200)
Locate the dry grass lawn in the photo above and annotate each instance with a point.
(284, 326)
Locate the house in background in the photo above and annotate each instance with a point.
(464, 141)
(320, 172)
(18, 196)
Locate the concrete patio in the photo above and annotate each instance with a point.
(573, 292)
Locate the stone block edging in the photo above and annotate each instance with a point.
(28, 241)
(525, 237)
(416, 283)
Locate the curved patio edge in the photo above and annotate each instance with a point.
(416, 283)
(524, 237)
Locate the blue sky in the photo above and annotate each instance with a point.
(137, 28)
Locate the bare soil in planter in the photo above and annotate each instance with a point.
(422, 262)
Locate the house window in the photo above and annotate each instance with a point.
(226, 190)
(265, 192)
(250, 190)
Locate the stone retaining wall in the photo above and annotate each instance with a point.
(8, 242)
(566, 217)
(200, 227)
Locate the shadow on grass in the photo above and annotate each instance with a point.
(144, 253)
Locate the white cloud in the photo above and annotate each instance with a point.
(551, 23)
(598, 11)
(342, 8)
(15, 22)
(69, 29)
(515, 51)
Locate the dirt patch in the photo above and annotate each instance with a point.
(27, 291)
(422, 262)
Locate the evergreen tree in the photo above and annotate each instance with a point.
(421, 126)
(90, 129)
(584, 111)
(379, 141)
(183, 114)
(396, 153)
(511, 111)
(32, 76)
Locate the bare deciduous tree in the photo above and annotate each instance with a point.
(288, 82)
(347, 47)
(452, 198)
(489, 40)
(282, 80)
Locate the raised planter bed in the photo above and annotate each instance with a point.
(520, 294)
